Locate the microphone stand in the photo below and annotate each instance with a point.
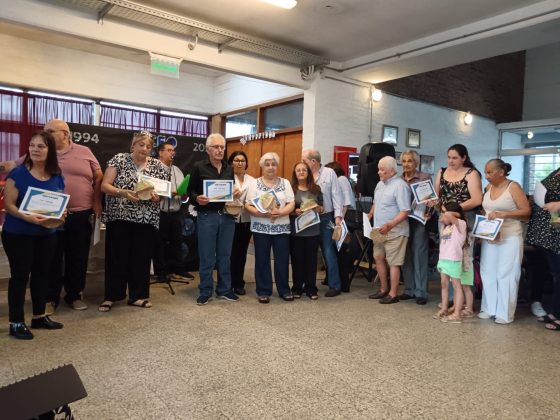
(169, 278)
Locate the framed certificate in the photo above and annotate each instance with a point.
(39, 202)
(161, 187)
(418, 212)
(219, 190)
(306, 219)
(266, 201)
(342, 235)
(423, 191)
(485, 228)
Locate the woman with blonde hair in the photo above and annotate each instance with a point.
(271, 227)
(132, 219)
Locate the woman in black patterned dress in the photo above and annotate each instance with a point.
(131, 224)
(544, 232)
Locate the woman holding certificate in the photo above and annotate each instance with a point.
(460, 182)
(270, 200)
(29, 238)
(132, 219)
(503, 199)
(305, 238)
(544, 232)
(242, 236)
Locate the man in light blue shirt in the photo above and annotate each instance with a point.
(390, 209)
(332, 214)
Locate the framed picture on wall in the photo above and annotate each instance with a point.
(413, 138)
(398, 158)
(389, 134)
(427, 164)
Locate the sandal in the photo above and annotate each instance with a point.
(439, 314)
(264, 299)
(547, 319)
(553, 326)
(467, 313)
(451, 319)
(313, 296)
(288, 298)
(140, 303)
(105, 306)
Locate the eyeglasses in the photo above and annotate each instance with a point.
(239, 161)
(217, 147)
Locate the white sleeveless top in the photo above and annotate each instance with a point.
(504, 202)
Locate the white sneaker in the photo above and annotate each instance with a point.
(484, 315)
(79, 305)
(537, 309)
(501, 321)
(50, 308)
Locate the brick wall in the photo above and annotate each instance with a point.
(491, 88)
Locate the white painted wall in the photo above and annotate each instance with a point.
(340, 116)
(47, 67)
(233, 92)
(542, 83)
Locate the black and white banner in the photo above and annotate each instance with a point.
(107, 142)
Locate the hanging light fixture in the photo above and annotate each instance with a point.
(376, 94)
(284, 4)
(467, 118)
(530, 134)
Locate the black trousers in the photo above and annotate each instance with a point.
(167, 255)
(344, 258)
(69, 265)
(128, 252)
(303, 251)
(28, 255)
(240, 244)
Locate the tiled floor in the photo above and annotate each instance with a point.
(347, 357)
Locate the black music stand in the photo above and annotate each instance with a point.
(364, 259)
(170, 279)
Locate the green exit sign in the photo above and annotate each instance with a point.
(165, 66)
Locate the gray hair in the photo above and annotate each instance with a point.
(413, 153)
(215, 136)
(313, 154)
(388, 162)
(269, 156)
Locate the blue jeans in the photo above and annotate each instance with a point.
(215, 235)
(280, 245)
(415, 268)
(329, 251)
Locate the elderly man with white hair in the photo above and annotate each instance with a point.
(390, 209)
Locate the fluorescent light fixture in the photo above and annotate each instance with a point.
(530, 135)
(468, 118)
(136, 108)
(52, 95)
(376, 95)
(183, 115)
(284, 4)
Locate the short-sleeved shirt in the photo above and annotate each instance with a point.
(23, 180)
(349, 199)
(452, 238)
(390, 198)
(120, 208)
(204, 170)
(300, 197)
(78, 166)
(285, 194)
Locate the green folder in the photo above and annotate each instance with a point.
(182, 188)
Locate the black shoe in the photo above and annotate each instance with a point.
(332, 292)
(405, 296)
(240, 291)
(288, 298)
(387, 300)
(182, 275)
(378, 295)
(46, 323)
(325, 282)
(421, 301)
(20, 331)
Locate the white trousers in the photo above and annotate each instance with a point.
(500, 269)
